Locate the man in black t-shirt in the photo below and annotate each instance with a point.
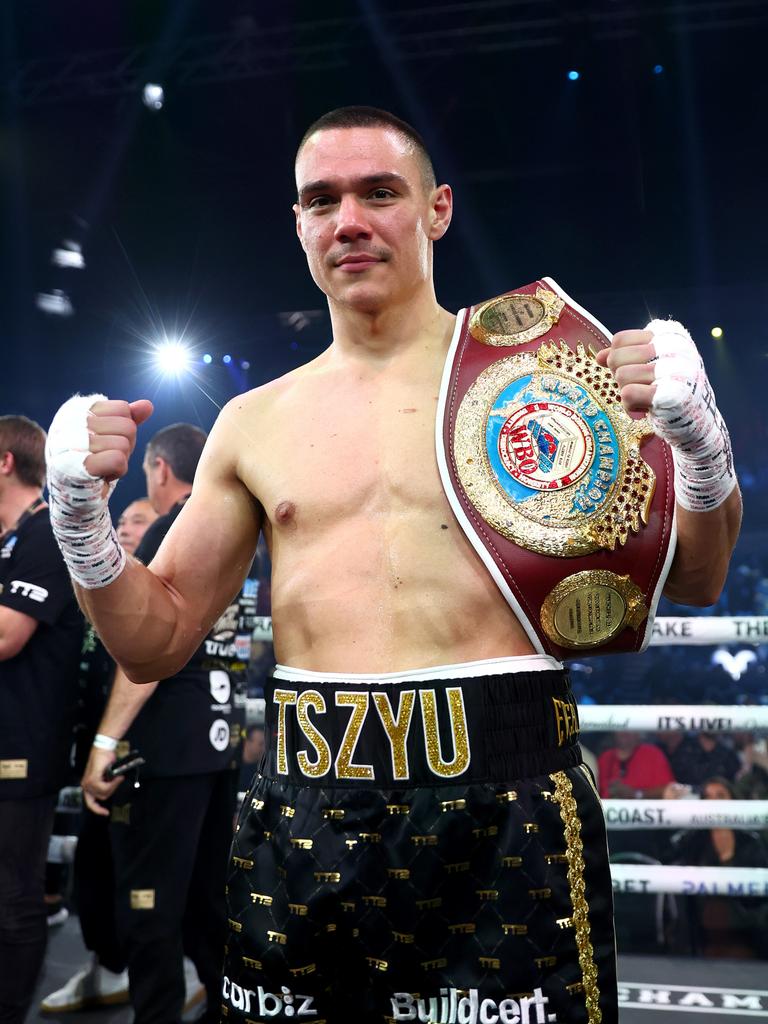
(171, 836)
(103, 981)
(40, 636)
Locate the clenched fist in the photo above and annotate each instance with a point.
(89, 443)
(112, 435)
(631, 358)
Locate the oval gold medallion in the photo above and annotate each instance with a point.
(515, 319)
(589, 608)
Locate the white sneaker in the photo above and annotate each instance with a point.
(194, 992)
(92, 985)
(56, 915)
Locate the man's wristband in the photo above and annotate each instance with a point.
(102, 742)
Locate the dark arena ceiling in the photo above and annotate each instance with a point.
(640, 186)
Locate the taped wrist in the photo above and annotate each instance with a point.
(684, 414)
(78, 503)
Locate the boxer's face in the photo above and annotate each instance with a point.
(365, 217)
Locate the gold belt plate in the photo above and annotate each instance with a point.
(548, 456)
(589, 608)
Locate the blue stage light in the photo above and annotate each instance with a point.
(245, 365)
(207, 358)
(574, 75)
(658, 69)
(226, 360)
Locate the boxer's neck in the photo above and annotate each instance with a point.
(398, 330)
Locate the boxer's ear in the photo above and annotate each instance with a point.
(440, 212)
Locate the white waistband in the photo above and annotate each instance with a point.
(464, 670)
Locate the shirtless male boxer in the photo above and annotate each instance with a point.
(417, 844)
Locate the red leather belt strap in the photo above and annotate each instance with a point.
(558, 490)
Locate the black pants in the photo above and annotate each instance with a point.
(170, 841)
(25, 828)
(94, 891)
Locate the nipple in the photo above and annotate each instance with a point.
(285, 512)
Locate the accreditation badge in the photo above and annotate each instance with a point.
(549, 470)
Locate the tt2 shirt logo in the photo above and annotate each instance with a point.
(30, 590)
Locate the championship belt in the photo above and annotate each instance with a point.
(568, 500)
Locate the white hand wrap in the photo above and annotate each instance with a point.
(78, 506)
(684, 414)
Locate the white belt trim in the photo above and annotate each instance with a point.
(463, 670)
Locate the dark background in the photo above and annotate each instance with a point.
(641, 193)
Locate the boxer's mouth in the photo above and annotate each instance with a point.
(358, 261)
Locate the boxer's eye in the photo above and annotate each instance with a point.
(316, 202)
(382, 193)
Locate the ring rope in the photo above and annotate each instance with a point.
(667, 630)
(672, 717)
(689, 881)
(651, 814)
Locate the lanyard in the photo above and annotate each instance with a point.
(25, 515)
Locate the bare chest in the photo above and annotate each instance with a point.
(349, 453)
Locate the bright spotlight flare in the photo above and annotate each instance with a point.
(172, 357)
(153, 96)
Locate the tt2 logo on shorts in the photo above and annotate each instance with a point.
(30, 590)
(268, 1004)
(452, 1008)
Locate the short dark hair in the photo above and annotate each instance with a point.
(181, 445)
(25, 440)
(375, 117)
(719, 780)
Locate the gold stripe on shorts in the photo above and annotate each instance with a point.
(574, 852)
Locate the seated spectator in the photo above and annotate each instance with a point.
(724, 926)
(752, 778)
(632, 769)
(700, 757)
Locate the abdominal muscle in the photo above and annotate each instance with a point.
(387, 596)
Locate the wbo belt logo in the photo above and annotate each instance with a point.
(372, 711)
(459, 1006)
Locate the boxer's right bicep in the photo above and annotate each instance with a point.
(208, 551)
(153, 619)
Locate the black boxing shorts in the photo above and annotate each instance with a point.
(421, 850)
